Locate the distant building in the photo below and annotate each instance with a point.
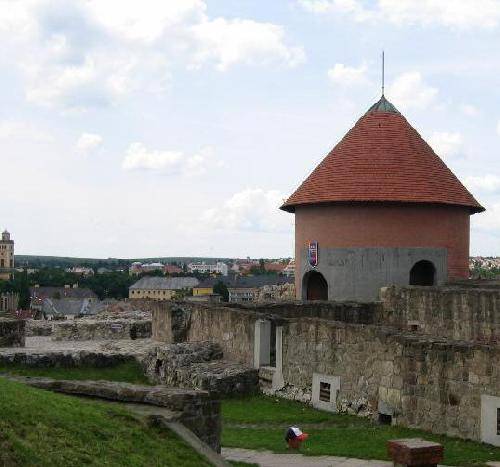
(39, 294)
(81, 271)
(258, 288)
(104, 270)
(9, 302)
(171, 269)
(289, 271)
(203, 268)
(210, 298)
(242, 294)
(276, 267)
(161, 288)
(137, 268)
(151, 267)
(6, 256)
(205, 287)
(69, 308)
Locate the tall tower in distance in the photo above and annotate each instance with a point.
(6, 256)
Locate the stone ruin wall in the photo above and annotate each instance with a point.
(431, 378)
(424, 382)
(12, 332)
(359, 355)
(232, 329)
(81, 330)
(443, 383)
(471, 314)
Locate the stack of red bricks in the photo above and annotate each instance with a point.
(415, 452)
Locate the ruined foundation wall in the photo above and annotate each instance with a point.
(232, 329)
(421, 381)
(359, 355)
(347, 312)
(442, 385)
(79, 330)
(12, 332)
(455, 313)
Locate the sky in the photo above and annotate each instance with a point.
(177, 128)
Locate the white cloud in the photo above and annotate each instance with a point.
(489, 220)
(352, 7)
(460, 14)
(488, 183)
(409, 90)
(469, 110)
(23, 131)
(83, 54)
(498, 127)
(227, 42)
(88, 142)
(138, 157)
(147, 20)
(252, 209)
(446, 144)
(346, 75)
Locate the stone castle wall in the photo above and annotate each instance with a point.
(12, 332)
(101, 329)
(422, 382)
(359, 355)
(431, 376)
(470, 314)
(232, 329)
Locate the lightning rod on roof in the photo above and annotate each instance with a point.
(383, 73)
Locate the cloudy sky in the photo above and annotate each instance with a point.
(146, 128)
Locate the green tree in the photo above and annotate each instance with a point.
(221, 289)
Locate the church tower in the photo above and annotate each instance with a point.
(6, 256)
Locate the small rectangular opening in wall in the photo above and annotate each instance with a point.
(384, 419)
(272, 348)
(324, 391)
(498, 421)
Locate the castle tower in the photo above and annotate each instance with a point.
(6, 256)
(382, 208)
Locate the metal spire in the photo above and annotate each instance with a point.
(383, 74)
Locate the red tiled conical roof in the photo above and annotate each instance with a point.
(382, 159)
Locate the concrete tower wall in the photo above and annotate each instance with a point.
(365, 246)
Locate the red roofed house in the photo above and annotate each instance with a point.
(381, 208)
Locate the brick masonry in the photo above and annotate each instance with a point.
(379, 226)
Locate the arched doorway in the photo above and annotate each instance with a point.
(422, 273)
(316, 287)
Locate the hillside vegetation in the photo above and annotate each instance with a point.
(47, 429)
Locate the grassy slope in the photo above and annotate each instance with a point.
(129, 372)
(260, 422)
(47, 429)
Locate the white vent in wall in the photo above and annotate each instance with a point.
(490, 419)
(324, 392)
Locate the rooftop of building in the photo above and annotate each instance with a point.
(165, 283)
(61, 292)
(382, 159)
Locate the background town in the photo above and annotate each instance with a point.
(53, 287)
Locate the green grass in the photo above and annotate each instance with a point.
(129, 372)
(259, 422)
(46, 429)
